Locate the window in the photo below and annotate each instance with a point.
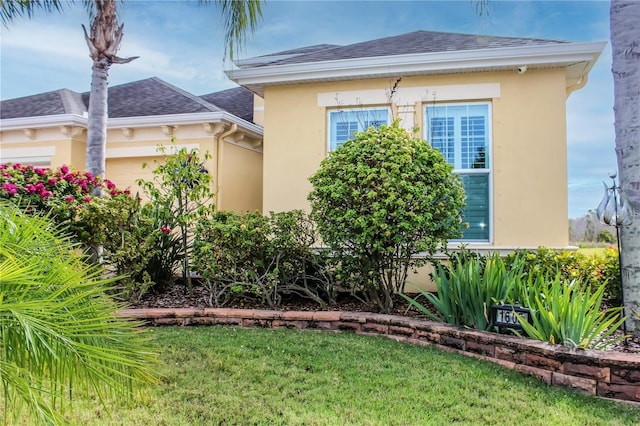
(461, 132)
(343, 124)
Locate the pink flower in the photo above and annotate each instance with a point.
(126, 191)
(52, 181)
(45, 194)
(17, 166)
(87, 199)
(64, 170)
(30, 188)
(165, 230)
(114, 192)
(110, 185)
(39, 171)
(69, 198)
(9, 188)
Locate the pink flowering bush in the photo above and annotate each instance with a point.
(115, 221)
(61, 193)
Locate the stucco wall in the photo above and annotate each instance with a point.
(529, 199)
(241, 179)
(129, 148)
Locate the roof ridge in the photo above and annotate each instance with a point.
(199, 100)
(72, 101)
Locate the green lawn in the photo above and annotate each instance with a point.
(218, 375)
(592, 251)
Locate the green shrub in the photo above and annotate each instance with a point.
(605, 236)
(178, 194)
(596, 270)
(467, 287)
(604, 270)
(381, 198)
(567, 314)
(263, 257)
(130, 240)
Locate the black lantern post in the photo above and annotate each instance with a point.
(614, 210)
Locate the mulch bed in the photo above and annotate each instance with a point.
(177, 296)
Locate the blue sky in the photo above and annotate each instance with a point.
(182, 43)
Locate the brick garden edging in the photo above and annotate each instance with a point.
(603, 373)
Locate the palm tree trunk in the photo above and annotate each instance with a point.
(625, 46)
(103, 42)
(97, 126)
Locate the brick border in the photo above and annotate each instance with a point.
(607, 374)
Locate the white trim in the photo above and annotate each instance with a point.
(74, 120)
(548, 55)
(184, 119)
(410, 95)
(44, 121)
(146, 151)
(29, 155)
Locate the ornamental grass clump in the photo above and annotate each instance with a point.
(568, 313)
(467, 287)
(59, 332)
(378, 200)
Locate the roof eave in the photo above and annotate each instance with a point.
(185, 119)
(548, 55)
(40, 122)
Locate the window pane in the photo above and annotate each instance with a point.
(473, 142)
(344, 124)
(476, 213)
(460, 133)
(442, 137)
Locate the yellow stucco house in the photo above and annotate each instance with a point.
(494, 106)
(49, 129)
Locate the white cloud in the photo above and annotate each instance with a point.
(48, 41)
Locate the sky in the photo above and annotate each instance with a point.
(182, 43)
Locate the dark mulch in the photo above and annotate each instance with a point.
(177, 296)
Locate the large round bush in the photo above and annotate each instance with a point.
(381, 198)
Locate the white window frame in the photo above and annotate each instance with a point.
(489, 159)
(364, 110)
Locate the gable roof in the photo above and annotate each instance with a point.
(416, 53)
(238, 101)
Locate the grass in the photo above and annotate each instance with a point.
(592, 251)
(230, 376)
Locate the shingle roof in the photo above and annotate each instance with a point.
(238, 101)
(62, 101)
(151, 96)
(415, 42)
